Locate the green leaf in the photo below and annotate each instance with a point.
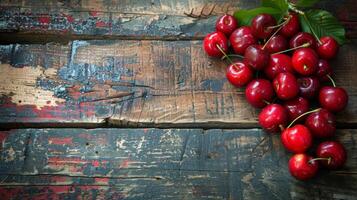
(244, 17)
(322, 24)
(306, 3)
(278, 4)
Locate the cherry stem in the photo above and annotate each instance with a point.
(281, 127)
(277, 30)
(232, 55)
(309, 112)
(292, 49)
(224, 53)
(328, 160)
(265, 101)
(281, 24)
(293, 8)
(312, 30)
(331, 79)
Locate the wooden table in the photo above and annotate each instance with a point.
(107, 100)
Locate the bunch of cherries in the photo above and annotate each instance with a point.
(288, 80)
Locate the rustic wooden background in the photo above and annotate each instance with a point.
(66, 66)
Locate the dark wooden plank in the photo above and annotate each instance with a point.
(133, 83)
(161, 163)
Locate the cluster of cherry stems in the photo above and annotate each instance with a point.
(288, 80)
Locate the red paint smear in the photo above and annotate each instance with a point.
(95, 163)
(100, 24)
(69, 18)
(61, 141)
(93, 13)
(44, 19)
(125, 164)
(59, 179)
(59, 161)
(101, 180)
(3, 136)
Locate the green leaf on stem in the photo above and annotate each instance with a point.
(245, 16)
(306, 3)
(278, 4)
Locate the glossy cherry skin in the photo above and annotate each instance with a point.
(278, 63)
(296, 139)
(212, 40)
(285, 86)
(257, 57)
(323, 69)
(258, 92)
(309, 86)
(302, 167)
(273, 118)
(276, 44)
(296, 107)
(334, 150)
(322, 124)
(292, 27)
(261, 25)
(241, 39)
(305, 61)
(328, 48)
(239, 74)
(303, 38)
(226, 24)
(334, 99)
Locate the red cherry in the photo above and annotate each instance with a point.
(333, 150)
(241, 39)
(305, 61)
(212, 40)
(321, 124)
(303, 38)
(226, 24)
(296, 139)
(334, 99)
(323, 69)
(308, 86)
(261, 25)
(292, 27)
(296, 107)
(239, 74)
(273, 118)
(276, 44)
(303, 167)
(259, 92)
(278, 63)
(286, 86)
(257, 57)
(328, 48)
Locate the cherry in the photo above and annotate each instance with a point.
(303, 167)
(321, 124)
(241, 39)
(261, 25)
(239, 74)
(226, 24)
(308, 86)
(259, 92)
(303, 38)
(273, 118)
(257, 57)
(323, 69)
(276, 44)
(334, 152)
(296, 107)
(334, 99)
(292, 27)
(296, 139)
(278, 63)
(214, 41)
(286, 86)
(305, 61)
(328, 48)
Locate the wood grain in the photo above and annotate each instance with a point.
(162, 163)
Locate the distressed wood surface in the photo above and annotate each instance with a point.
(133, 83)
(161, 164)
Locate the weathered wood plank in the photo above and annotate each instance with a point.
(162, 163)
(133, 83)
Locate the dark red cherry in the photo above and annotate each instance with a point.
(273, 118)
(303, 167)
(322, 124)
(286, 86)
(257, 57)
(241, 39)
(239, 74)
(334, 99)
(259, 92)
(303, 38)
(328, 48)
(334, 151)
(276, 44)
(292, 27)
(261, 25)
(296, 107)
(226, 24)
(212, 40)
(309, 86)
(323, 69)
(278, 63)
(305, 61)
(296, 139)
